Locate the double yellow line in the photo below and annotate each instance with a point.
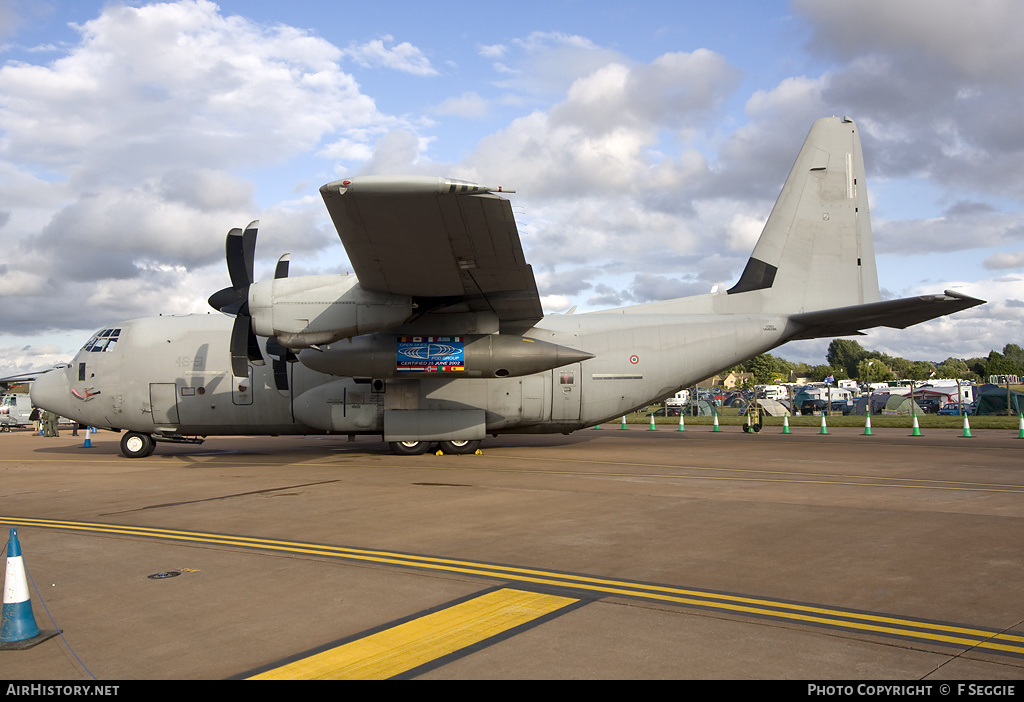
(580, 586)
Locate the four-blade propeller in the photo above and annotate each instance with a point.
(240, 250)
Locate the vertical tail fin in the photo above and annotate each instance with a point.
(816, 251)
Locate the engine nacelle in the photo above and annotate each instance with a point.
(478, 356)
(319, 309)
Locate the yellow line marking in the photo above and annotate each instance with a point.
(837, 618)
(921, 483)
(406, 646)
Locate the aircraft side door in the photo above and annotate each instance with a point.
(163, 398)
(566, 392)
(241, 391)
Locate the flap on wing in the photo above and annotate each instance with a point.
(436, 238)
(899, 314)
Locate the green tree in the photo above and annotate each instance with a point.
(846, 354)
(977, 366)
(1009, 362)
(873, 370)
(954, 367)
(921, 370)
(900, 366)
(819, 373)
(766, 369)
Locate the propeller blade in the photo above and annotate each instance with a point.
(234, 252)
(276, 349)
(239, 345)
(240, 251)
(282, 357)
(227, 300)
(282, 266)
(280, 374)
(252, 343)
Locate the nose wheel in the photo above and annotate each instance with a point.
(136, 445)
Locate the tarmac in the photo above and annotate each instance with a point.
(605, 554)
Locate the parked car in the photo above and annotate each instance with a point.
(812, 406)
(841, 407)
(954, 408)
(671, 412)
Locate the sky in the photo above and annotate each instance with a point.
(647, 143)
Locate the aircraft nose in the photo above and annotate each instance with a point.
(51, 391)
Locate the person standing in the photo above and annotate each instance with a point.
(50, 424)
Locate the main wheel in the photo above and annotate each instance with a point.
(409, 448)
(136, 445)
(459, 447)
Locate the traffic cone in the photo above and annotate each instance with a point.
(18, 628)
(716, 427)
(623, 422)
(967, 428)
(785, 425)
(917, 428)
(88, 439)
(652, 424)
(682, 426)
(867, 426)
(1020, 427)
(824, 428)
(597, 426)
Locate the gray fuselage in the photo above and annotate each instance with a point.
(171, 376)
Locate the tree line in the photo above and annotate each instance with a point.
(847, 359)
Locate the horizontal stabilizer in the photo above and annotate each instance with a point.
(899, 314)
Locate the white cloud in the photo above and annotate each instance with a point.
(120, 157)
(492, 51)
(126, 156)
(469, 104)
(1005, 260)
(978, 40)
(384, 53)
(742, 232)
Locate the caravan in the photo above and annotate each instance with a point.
(771, 392)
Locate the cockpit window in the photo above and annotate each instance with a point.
(102, 341)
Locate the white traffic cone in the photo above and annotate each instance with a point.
(18, 628)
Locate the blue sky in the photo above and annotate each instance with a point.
(647, 143)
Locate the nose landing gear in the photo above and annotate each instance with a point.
(137, 445)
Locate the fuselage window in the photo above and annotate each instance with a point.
(102, 341)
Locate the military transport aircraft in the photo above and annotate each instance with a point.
(439, 336)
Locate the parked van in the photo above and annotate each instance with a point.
(15, 410)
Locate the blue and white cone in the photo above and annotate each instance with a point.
(18, 623)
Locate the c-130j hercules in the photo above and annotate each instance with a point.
(439, 336)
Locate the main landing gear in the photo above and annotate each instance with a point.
(415, 448)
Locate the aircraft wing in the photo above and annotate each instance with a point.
(6, 383)
(899, 314)
(437, 238)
